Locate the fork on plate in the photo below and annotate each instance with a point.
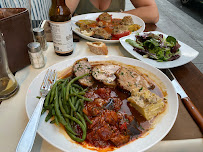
(27, 139)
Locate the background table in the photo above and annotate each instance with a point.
(14, 118)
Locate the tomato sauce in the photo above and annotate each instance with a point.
(110, 127)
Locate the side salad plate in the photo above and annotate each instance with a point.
(158, 49)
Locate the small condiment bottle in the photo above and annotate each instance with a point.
(40, 37)
(36, 55)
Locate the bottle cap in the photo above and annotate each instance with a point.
(34, 47)
(38, 31)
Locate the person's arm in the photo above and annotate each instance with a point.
(146, 10)
(72, 5)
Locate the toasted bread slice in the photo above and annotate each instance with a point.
(98, 48)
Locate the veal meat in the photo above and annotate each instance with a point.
(129, 79)
(82, 67)
(105, 73)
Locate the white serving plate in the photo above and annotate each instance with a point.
(93, 16)
(53, 135)
(187, 53)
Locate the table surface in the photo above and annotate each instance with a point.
(184, 132)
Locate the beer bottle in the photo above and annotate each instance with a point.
(61, 28)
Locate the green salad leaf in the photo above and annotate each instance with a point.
(134, 43)
(156, 47)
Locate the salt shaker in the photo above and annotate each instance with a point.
(40, 37)
(36, 55)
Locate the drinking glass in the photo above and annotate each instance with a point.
(8, 83)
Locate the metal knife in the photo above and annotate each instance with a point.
(196, 115)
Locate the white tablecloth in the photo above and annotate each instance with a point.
(14, 119)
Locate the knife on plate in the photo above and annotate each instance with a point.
(196, 115)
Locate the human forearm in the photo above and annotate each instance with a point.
(149, 14)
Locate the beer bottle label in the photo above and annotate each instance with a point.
(62, 36)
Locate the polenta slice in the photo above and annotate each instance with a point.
(146, 102)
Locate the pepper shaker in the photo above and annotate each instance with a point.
(36, 55)
(40, 37)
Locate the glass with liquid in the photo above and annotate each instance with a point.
(8, 83)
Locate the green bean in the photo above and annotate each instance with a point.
(88, 120)
(71, 104)
(80, 109)
(77, 86)
(56, 107)
(74, 137)
(67, 108)
(38, 97)
(64, 112)
(74, 90)
(53, 121)
(43, 111)
(49, 107)
(64, 97)
(82, 103)
(65, 102)
(81, 119)
(61, 106)
(54, 89)
(85, 89)
(52, 92)
(71, 113)
(73, 80)
(76, 120)
(64, 93)
(64, 88)
(81, 126)
(56, 120)
(79, 96)
(79, 93)
(72, 98)
(48, 116)
(77, 104)
(59, 87)
(58, 113)
(53, 112)
(75, 100)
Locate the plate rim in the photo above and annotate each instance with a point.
(154, 62)
(96, 39)
(103, 59)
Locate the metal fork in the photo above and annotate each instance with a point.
(27, 139)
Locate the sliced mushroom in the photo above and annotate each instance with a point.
(82, 67)
(105, 73)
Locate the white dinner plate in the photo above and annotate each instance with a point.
(93, 16)
(187, 53)
(53, 135)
